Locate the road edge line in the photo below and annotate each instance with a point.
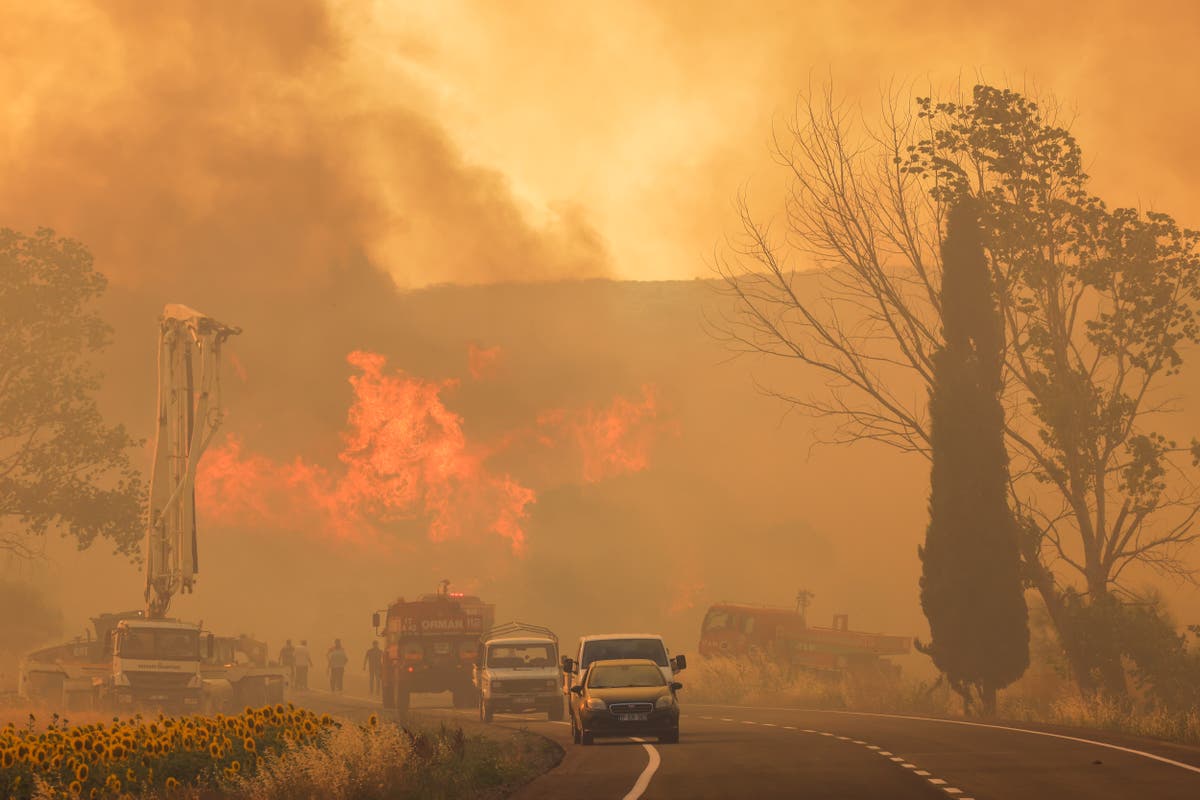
(652, 763)
(1152, 756)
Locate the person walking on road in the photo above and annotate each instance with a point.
(373, 664)
(337, 659)
(301, 661)
(287, 660)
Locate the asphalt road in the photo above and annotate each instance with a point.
(733, 752)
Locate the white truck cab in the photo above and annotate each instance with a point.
(518, 670)
(608, 646)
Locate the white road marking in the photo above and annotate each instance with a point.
(937, 781)
(885, 752)
(809, 730)
(770, 725)
(909, 766)
(951, 790)
(1079, 739)
(748, 722)
(825, 733)
(789, 727)
(843, 738)
(726, 719)
(922, 773)
(705, 717)
(643, 781)
(872, 747)
(897, 759)
(856, 741)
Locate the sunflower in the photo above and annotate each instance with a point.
(7, 759)
(75, 788)
(249, 744)
(172, 784)
(81, 772)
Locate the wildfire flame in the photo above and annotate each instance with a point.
(405, 456)
(483, 362)
(611, 441)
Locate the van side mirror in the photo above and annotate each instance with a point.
(375, 620)
(568, 665)
(577, 689)
(676, 686)
(680, 663)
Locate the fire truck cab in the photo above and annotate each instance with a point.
(432, 645)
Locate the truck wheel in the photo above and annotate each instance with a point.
(555, 712)
(485, 710)
(670, 738)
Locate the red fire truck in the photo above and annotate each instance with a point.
(431, 645)
(782, 634)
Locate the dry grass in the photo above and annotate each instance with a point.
(1040, 698)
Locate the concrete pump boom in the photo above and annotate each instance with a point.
(189, 413)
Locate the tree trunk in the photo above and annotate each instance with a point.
(987, 698)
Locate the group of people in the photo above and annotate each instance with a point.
(298, 660)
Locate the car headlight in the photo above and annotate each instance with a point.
(666, 701)
(596, 704)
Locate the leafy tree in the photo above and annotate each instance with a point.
(1097, 304)
(971, 580)
(61, 466)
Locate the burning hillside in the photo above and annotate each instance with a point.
(406, 456)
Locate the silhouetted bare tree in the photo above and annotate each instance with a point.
(61, 466)
(1096, 304)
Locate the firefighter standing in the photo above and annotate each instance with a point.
(337, 659)
(373, 664)
(287, 659)
(301, 661)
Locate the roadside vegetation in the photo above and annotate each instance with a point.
(1044, 696)
(260, 754)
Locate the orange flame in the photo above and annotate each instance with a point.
(405, 456)
(483, 362)
(611, 441)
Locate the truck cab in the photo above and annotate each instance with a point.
(620, 646)
(518, 671)
(155, 663)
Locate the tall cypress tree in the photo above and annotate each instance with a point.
(971, 584)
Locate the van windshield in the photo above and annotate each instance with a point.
(520, 655)
(614, 649)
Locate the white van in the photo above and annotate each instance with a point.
(608, 646)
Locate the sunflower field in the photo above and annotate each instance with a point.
(159, 757)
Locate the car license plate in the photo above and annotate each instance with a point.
(522, 700)
(633, 717)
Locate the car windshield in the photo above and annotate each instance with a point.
(618, 649)
(621, 676)
(159, 643)
(520, 655)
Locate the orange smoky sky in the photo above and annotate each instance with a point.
(478, 141)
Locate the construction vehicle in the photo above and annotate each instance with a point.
(237, 673)
(518, 670)
(145, 658)
(431, 645)
(783, 635)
